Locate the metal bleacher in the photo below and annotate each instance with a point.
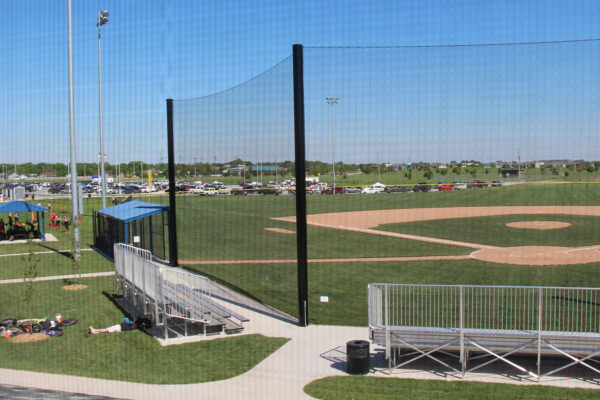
(181, 301)
(479, 325)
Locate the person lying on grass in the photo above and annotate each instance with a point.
(127, 325)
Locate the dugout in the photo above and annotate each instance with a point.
(135, 222)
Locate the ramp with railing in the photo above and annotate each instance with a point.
(181, 301)
(479, 325)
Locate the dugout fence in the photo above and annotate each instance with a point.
(479, 325)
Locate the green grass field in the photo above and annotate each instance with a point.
(54, 264)
(207, 228)
(369, 388)
(128, 356)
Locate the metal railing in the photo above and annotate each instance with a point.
(514, 308)
(148, 286)
(497, 321)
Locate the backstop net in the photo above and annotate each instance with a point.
(234, 161)
(466, 164)
(451, 165)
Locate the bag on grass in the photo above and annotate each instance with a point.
(69, 322)
(143, 322)
(8, 322)
(53, 332)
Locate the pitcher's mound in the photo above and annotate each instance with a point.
(539, 224)
(538, 255)
(29, 337)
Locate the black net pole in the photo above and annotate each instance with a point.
(300, 186)
(172, 213)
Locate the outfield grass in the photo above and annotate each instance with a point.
(370, 388)
(127, 356)
(230, 227)
(346, 283)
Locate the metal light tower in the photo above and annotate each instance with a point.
(74, 187)
(102, 19)
(332, 101)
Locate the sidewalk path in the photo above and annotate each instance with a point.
(59, 277)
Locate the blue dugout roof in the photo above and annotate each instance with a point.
(133, 210)
(17, 206)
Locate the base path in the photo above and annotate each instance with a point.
(367, 221)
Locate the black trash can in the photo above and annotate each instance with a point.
(357, 357)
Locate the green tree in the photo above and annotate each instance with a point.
(30, 273)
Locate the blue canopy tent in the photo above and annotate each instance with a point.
(134, 222)
(19, 206)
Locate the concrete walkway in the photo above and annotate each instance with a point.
(59, 277)
(313, 352)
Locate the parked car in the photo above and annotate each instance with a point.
(379, 187)
(329, 190)
(352, 189)
(443, 186)
(208, 191)
(397, 189)
(422, 187)
(369, 190)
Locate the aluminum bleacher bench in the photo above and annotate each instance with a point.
(515, 320)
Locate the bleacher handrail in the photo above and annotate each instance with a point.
(530, 308)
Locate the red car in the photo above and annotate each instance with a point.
(445, 187)
(338, 190)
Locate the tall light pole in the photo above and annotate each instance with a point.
(519, 160)
(74, 187)
(332, 101)
(102, 19)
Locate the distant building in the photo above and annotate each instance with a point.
(264, 168)
(512, 173)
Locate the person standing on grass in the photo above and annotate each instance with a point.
(52, 219)
(57, 222)
(66, 223)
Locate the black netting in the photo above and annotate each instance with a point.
(449, 164)
(234, 155)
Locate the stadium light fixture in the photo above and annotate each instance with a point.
(332, 101)
(102, 19)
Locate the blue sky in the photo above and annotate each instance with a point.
(443, 104)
